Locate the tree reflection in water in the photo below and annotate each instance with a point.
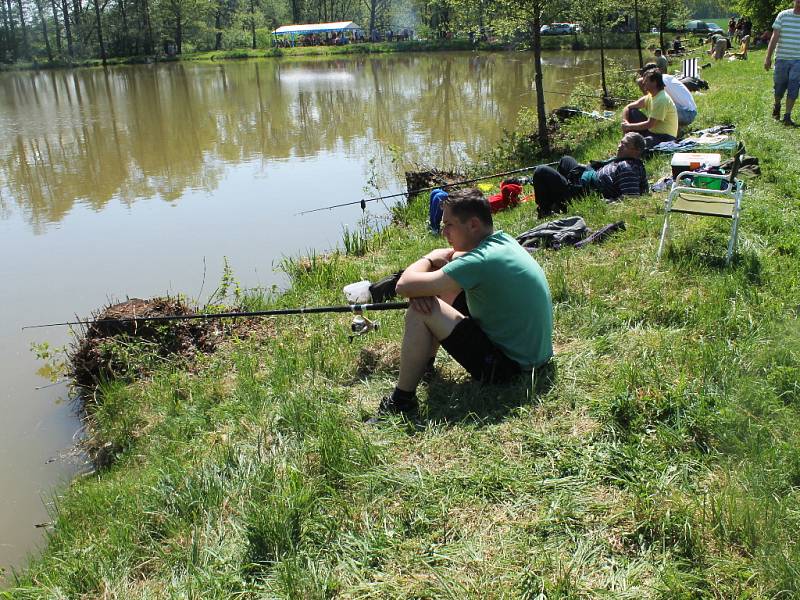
(90, 136)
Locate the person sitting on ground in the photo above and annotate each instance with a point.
(661, 61)
(743, 49)
(680, 94)
(659, 121)
(623, 175)
(485, 300)
(677, 46)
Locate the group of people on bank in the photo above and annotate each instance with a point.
(484, 299)
(460, 297)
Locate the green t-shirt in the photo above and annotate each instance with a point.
(662, 107)
(508, 296)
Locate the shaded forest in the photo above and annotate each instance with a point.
(66, 31)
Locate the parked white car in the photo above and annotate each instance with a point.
(560, 29)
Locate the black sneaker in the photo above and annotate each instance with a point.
(776, 111)
(787, 120)
(390, 406)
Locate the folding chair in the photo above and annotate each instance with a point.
(689, 67)
(686, 198)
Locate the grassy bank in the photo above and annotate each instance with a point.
(663, 462)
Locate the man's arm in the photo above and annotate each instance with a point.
(773, 41)
(643, 126)
(425, 277)
(638, 104)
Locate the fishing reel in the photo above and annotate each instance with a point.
(361, 325)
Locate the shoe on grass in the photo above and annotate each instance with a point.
(390, 405)
(776, 111)
(787, 120)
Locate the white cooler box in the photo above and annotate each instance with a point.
(689, 161)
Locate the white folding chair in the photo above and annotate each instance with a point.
(689, 67)
(703, 201)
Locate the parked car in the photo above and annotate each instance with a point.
(560, 29)
(702, 27)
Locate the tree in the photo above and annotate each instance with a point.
(23, 29)
(57, 27)
(510, 17)
(9, 34)
(761, 12)
(67, 28)
(638, 32)
(377, 10)
(43, 23)
(599, 16)
(666, 11)
(99, 24)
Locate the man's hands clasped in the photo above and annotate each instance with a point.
(439, 257)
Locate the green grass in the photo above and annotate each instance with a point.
(662, 462)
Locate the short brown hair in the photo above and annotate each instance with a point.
(467, 203)
(654, 75)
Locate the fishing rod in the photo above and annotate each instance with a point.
(357, 309)
(587, 95)
(577, 111)
(596, 74)
(363, 202)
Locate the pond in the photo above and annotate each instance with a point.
(139, 181)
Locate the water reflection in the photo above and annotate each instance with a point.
(125, 133)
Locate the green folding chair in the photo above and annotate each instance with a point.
(706, 195)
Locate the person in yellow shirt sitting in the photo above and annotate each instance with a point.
(653, 115)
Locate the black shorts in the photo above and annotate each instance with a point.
(473, 350)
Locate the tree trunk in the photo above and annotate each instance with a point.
(67, 28)
(77, 25)
(602, 56)
(253, 22)
(125, 46)
(99, 24)
(44, 31)
(662, 24)
(373, 10)
(10, 34)
(295, 11)
(77, 9)
(57, 26)
(179, 31)
(541, 114)
(218, 29)
(638, 35)
(148, 27)
(23, 29)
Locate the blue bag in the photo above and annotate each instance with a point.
(435, 210)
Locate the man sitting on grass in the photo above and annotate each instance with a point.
(659, 121)
(623, 175)
(680, 94)
(485, 300)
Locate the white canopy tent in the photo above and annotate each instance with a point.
(338, 27)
